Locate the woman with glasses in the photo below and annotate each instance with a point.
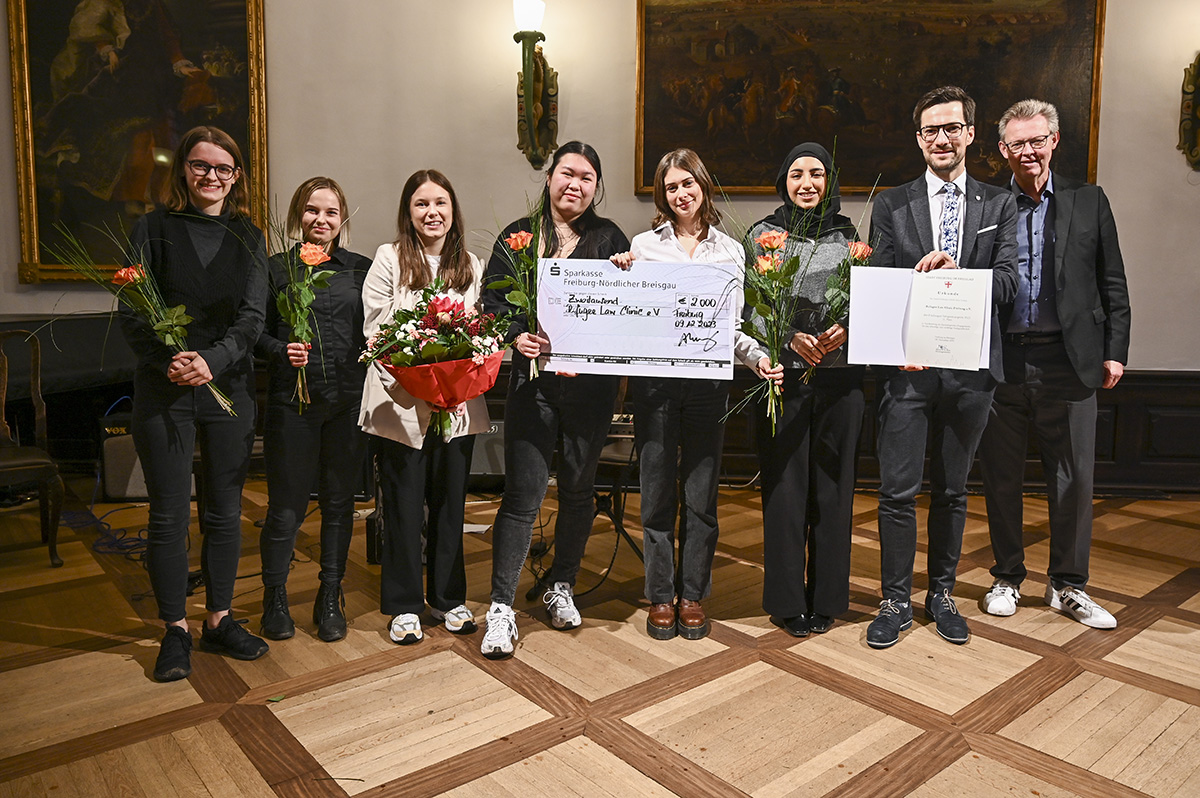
(319, 442)
(204, 253)
(809, 464)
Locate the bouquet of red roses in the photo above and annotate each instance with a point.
(440, 352)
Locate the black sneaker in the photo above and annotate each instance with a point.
(893, 618)
(175, 656)
(819, 624)
(329, 613)
(231, 639)
(796, 627)
(276, 620)
(941, 609)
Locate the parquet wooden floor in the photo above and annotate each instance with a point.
(1035, 704)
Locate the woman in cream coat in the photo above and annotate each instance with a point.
(417, 468)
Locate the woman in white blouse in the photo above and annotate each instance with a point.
(417, 468)
(677, 421)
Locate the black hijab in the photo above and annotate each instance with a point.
(810, 222)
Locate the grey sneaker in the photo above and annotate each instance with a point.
(1075, 603)
(459, 621)
(501, 634)
(405, 629)
(560, 603)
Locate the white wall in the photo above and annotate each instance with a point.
(370, 90)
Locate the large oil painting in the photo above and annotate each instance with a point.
(741, 82)
(102, 92)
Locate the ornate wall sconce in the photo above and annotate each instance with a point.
(537, 87)
(1189, 115)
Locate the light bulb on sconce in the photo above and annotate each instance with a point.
(537, 86)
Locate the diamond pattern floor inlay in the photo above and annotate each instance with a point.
(1034, 704)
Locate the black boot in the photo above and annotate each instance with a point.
(276, 620)
(329, 613)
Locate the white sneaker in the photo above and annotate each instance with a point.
(405, 629)
(459, 621)
(560, 603)
(501, 631)
(1074, 602)
(1001, 599)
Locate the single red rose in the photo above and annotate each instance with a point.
(129, 275)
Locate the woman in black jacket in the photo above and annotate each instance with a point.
(204, 253)
(539, 410)
(319, 443)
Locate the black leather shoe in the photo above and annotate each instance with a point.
(175, 656)
(819, 624)
(796, 626)
(231, 639)
(893, 618)
(329, 613)
(941, 609)
(276, 619)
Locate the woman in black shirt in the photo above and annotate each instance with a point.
(205, 254)
(321, 442)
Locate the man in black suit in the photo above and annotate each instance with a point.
(942, 220)
(1066, 333)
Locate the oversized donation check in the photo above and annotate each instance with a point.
(656, 319)
(902, 317)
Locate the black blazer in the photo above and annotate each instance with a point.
(902, 234)
(1089, 280)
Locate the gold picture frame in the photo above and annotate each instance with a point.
(741, 83)
(101, 100)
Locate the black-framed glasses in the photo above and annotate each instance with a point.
(1018, 147)
(201, 168)
(952, 130)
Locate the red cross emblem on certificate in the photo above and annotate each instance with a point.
(948, 283)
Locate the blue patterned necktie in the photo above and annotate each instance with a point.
(950, 222)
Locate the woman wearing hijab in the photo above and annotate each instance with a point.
(808, 466)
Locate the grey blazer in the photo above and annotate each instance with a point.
(902, 234)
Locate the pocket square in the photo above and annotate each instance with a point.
(984, 230)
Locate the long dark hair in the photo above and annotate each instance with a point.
(588, 220)
(455, 266)
(175, 193)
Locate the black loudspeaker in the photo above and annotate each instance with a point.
(487, 459)
(120, 471)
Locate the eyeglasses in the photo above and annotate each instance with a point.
(1018, 147)
(201, 168)
(952, 130)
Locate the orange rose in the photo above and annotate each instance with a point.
(519, 240)
(313, 254)
(859, 250)
(764, 264)
(129, 275)
(772, 240)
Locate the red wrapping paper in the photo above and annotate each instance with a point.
(448, 384)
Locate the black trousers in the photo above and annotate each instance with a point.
(1041, 393)
(434, 476)
(679, 432)
(947, 409)
(168, 422)
(323, 445)
(808, 472)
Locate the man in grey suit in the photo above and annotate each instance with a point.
(942, 220)
(1066, 333)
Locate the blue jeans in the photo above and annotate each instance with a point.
(537, 413)
(679, 432)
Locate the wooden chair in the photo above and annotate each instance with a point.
(31, 465)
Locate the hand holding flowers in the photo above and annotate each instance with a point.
(522, 285)
(294, 301)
